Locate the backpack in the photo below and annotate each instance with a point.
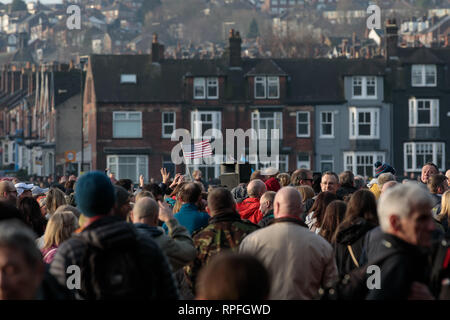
(353, 285)
(111, 267)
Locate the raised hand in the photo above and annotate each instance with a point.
(165, 213)
(165, 175)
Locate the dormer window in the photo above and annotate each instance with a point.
(206, 88)
(267, 87)
(364, 87)
(128, 78)
(423, 75)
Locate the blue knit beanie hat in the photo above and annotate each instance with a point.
(382, 168)
(94, 194)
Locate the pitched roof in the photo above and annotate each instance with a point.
(66, 84)
(309, 80)
(421, 55)
(266, 67)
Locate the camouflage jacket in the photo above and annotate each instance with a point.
(224, 231)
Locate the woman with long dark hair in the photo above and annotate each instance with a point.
(334, 215)
(31, 211)
(315, 218)
(360, 217)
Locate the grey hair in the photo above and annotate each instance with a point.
(14, 233)
(385, 177)
(401, 200)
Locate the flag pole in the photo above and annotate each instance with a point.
(186, 164)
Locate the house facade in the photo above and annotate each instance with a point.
(420, 82)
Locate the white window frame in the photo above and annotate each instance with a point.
(261, 80)
(199, 82)
(271, 81)
(354, 123)
(196, 123)
(414, 112)
(196, 166)
(376, 156)
(414, 146)
(364, 83)
(304, 164)
(6, 149)
(114, 165)
(216, 85)
(322, 135)
(127, 113)
(128, 78)
(265, 164)
(327, 161)
(307, 123)
(276, 117)
(267, 81)
(423, 69)
(168, 124)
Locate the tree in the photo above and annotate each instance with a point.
(18, 5)
(253, 30)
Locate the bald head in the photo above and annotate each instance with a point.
(288, 202)
(146, 211)
(256, 188)
(388, 185)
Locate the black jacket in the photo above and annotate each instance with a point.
(407, 264)
(352, 235)
(345, 191)
(371, 245)
(73, 252)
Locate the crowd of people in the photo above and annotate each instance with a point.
(280, 236)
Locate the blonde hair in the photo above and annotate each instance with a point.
(55, 198)
(306, 191)
(284, 179)
(59, 228)
(144, 194)
(445, 207)
(177, 206)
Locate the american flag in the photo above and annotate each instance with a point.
(197, 150)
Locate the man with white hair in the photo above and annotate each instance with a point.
(249, 208)
(300, 261)
(404, 212)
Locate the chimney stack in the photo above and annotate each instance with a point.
(157, 50)
(391, 39)
(235, 59)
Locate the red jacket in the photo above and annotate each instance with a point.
(272, 184)
(249, 210)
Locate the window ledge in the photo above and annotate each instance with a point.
(128, 138)
(424, 126)
(365, 98)
(364, 138)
